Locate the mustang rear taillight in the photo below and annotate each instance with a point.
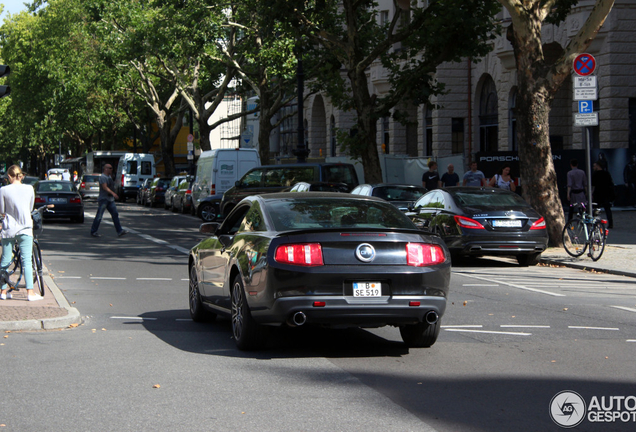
(305, 254)
(539, 224)
(422, 254)
(75, 200)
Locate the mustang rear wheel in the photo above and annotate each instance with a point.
(422, 335)
(197, 310)
(247, 333)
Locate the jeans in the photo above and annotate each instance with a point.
(104, 205)
(25, 243)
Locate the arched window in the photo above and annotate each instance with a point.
(488, 118)
(333, 136)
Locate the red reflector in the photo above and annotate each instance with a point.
(414, 303)
(421, 254)
(213, 189)
(39, 200)
(75, 200)
(465, 222)
(306, 254)
(320, 304)
(539, 224)
(188, 192)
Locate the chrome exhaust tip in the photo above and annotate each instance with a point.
(299, 318)
(431, 317)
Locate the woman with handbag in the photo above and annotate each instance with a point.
(503, 180)
(16, 204)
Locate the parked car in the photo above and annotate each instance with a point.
(320, 258)
(483, 221)
(172, 190)
(209, 207)
(319, 187)
(89, 186)
(157, 191)
(400, 195)
(142, 192)
(182, 200)
(63, 194)
(277, 178)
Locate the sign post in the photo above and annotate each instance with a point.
(585, 91)
(190, 155)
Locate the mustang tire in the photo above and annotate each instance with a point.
(422, 335)
(197, 310)
(247, 333)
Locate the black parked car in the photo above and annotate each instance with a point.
(483, 221)
(320, 187)
(329, 259)
(64, 195)
(400, 195)
(156, 193)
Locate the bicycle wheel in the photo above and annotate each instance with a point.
(574, 238)
(597, 242)
(38, 280)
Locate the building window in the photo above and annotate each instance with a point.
(384, 17)
(428, 132)
(488, 117)
(385, 133)
(457, 135)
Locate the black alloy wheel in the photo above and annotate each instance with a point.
(198, 313)
(248, 335)
(207, 212)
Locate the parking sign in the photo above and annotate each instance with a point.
(586, 106)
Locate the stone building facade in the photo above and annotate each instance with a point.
(477, 112)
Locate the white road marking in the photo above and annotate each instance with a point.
(522, 287)
(185, 279)
(624, 308)
(66, 277)
(594, 328)
(155, 279)
(523, 326)
(488, 331)
(133, 318)
(462, 326)
(107, 278)
(630, 340)
(484, 285)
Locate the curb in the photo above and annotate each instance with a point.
(72, 317)
(586, 267)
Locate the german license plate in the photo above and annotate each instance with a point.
(367, 289)
(507, 223)
(94, 188)
(57, 200)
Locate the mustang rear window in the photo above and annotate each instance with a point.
(335, 213)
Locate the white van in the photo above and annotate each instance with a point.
(132, 170)
(219, 169)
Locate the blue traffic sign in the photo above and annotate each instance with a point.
(586, 106)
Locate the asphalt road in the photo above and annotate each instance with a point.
(512, 338)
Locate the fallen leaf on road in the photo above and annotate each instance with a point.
(73, 325)
(553, 361)
(103, 329)
(61, 271)
(6, 336)
(156, 386)
(94, 330)
(1, 344)
(72, 302)
(606, 357)
(7, 331)
(111, 305)
(465, 303)
(565, 309)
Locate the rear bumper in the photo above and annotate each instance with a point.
(344, 311)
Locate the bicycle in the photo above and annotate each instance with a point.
(583, 232)
(15, 266)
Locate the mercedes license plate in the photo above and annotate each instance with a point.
(507, 223)
(367, 289)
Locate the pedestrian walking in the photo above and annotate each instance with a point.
(430, 179)
(503, 180)
(16, 205)
(603, 191)
(106, 201)
(576, 186)
(474, 177)
(450, 177)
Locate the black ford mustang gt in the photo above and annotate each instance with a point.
(319, 258)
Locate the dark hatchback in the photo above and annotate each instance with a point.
(156, 193)
(403, 196)
(319, 258)
(64, 196)
(477, 221)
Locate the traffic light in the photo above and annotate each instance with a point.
(4, 90)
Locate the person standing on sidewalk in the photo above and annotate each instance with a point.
(603, 191)
(577, 182)
(474, 177)
(430, 179)
(106, 201)
(16, 204)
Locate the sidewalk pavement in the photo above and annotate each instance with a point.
(54, 312)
